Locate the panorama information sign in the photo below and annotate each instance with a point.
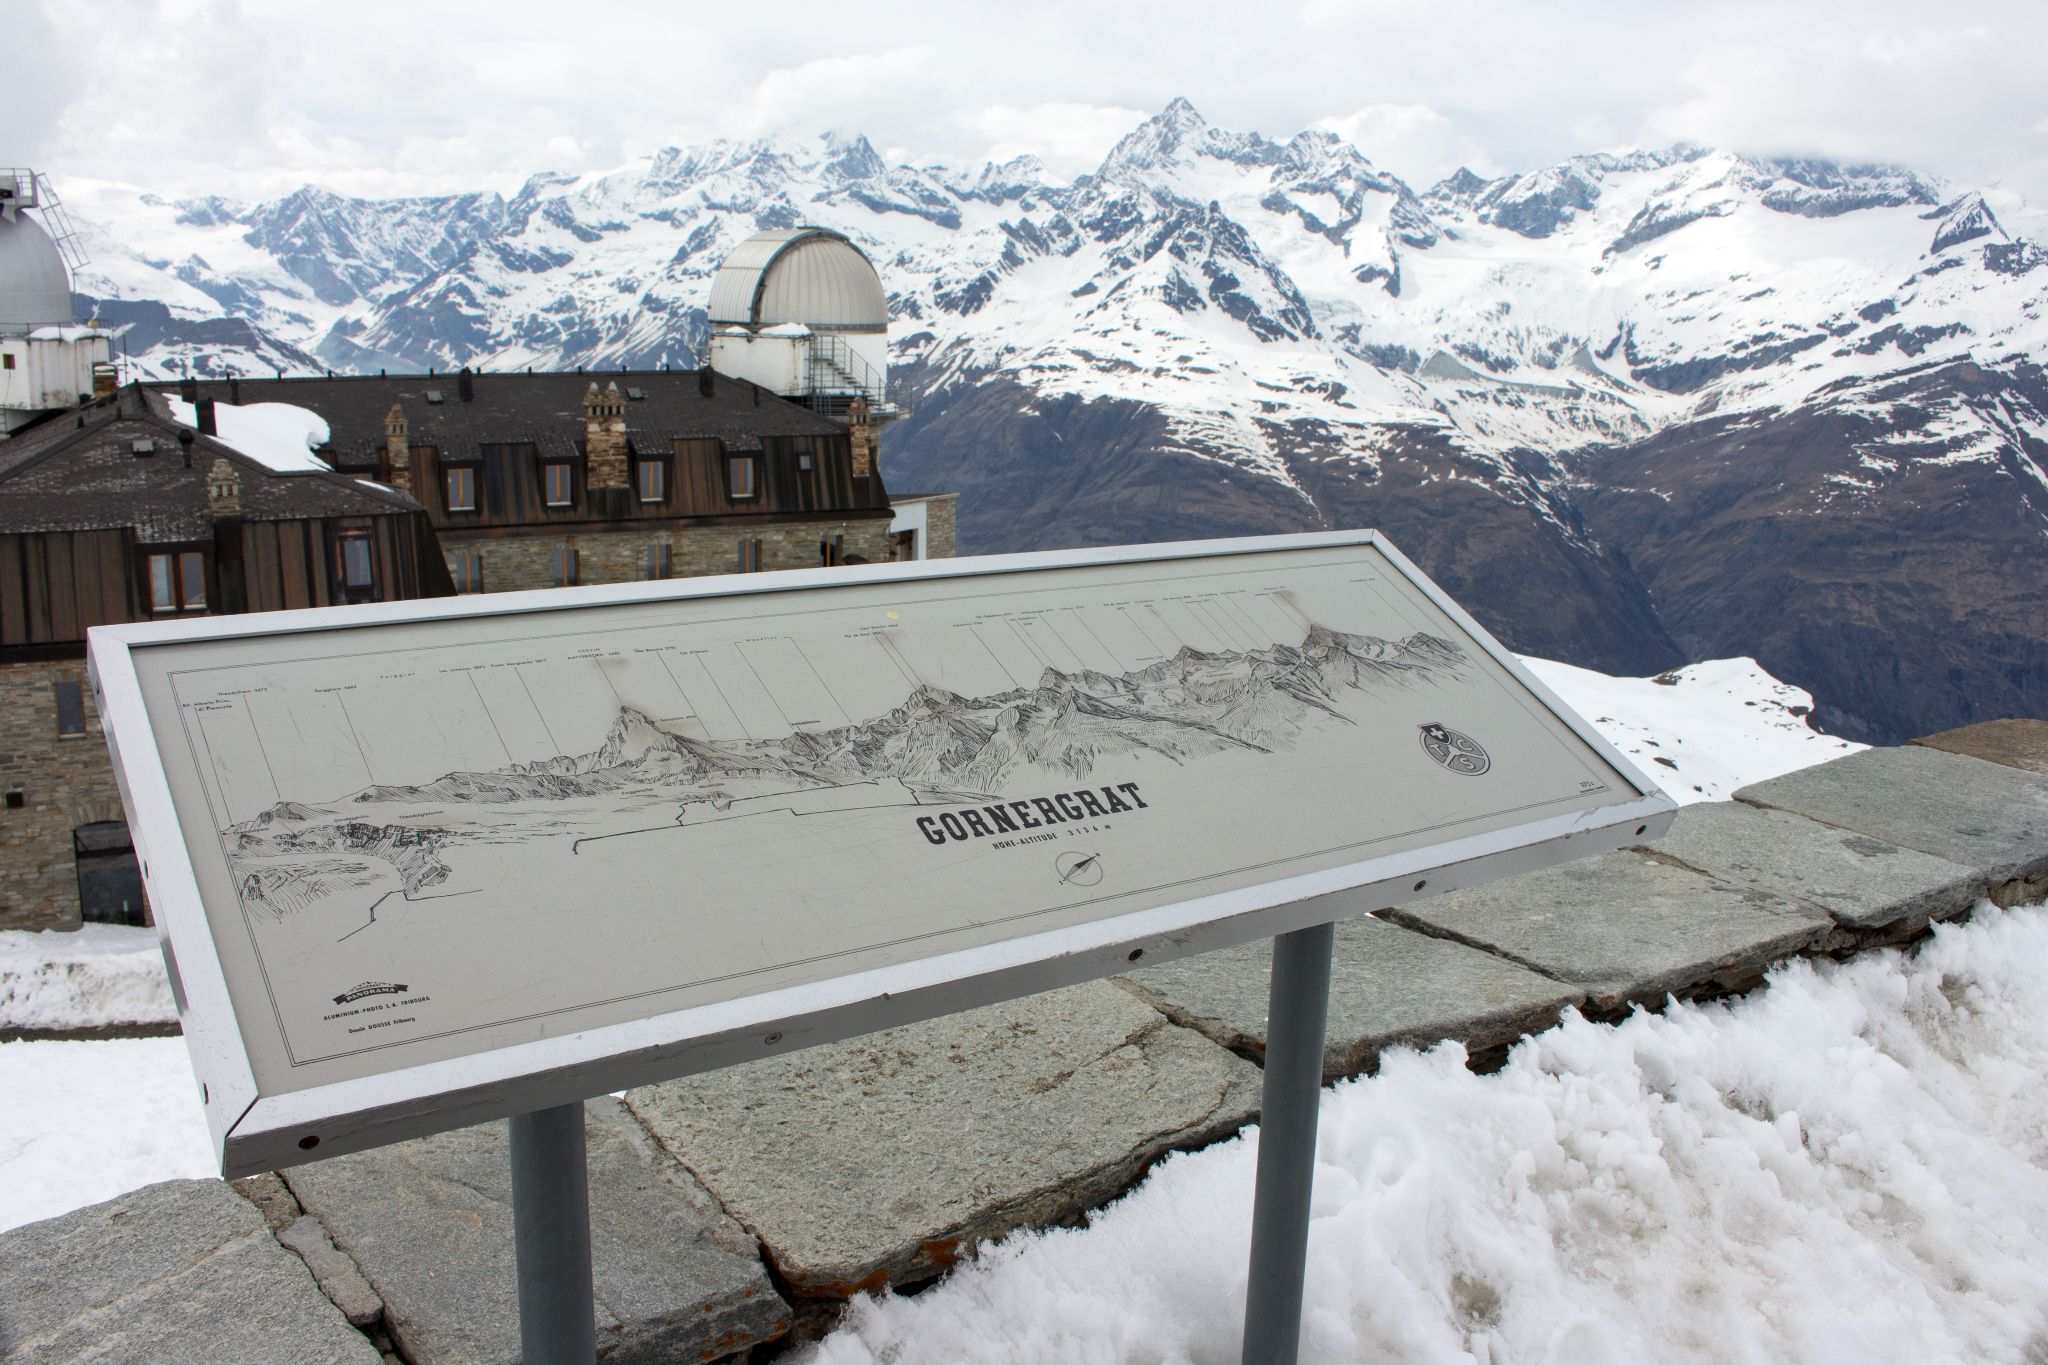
(423, 864)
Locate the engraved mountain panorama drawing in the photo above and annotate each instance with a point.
(937, 748)
(546, 822)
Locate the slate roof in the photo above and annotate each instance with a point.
(79, 471)
(546, 409)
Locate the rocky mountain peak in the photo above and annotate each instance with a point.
(852, 157)
(1179, 133)
(1462, 183)
(1964, 219)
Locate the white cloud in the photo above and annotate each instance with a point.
(834, 91)
(1413, 141)
(1069, 138)
(384, 96)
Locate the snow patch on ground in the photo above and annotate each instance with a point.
(1844, 1168)
(1701, 731)
(98, 975)
(279, 435)
(83, 1122)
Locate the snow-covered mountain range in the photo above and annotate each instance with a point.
(1632, 409)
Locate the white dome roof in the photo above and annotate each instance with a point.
(35, 289)
(809, 275)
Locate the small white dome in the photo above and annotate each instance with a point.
(35, 288)
(809, 275)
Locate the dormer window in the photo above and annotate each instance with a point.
(177, 581)
(355, 567)
(461, 488)
(558, 485)
(739, 474)
(650, 478)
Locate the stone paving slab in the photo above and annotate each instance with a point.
(1389, 987)
(334, 1272)
(182, 1273)
(1872, 888)
(429, 1223)
(1626, 928)
(2015, 743)
(1982, 815)
(881, 1160)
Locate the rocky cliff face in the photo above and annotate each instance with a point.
(1631, 409)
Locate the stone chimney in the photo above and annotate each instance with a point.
(224, 489)
(397, 450)
(862, 436)
(106, 380)
(604, 437)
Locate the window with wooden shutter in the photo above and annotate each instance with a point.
(740, 473)
(650, 477)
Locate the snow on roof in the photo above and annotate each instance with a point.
(279, 435)
(66, 333)
(786, 329)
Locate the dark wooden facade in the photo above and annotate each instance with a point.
(89, 500)
(793, 476)
(507, 430)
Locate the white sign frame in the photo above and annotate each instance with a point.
(252, 1134)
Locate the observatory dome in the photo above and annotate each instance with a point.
(35, 289)
(809, 275)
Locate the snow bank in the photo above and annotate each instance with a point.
(83, 1122)
(97, 975)
(1845, 1168)
(1713, 727)
(279, 435)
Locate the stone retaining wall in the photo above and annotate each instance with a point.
(740, 1209)
(515, 563)
(64, 782)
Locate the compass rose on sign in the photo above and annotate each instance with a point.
(1079, 869)
(1460, 754)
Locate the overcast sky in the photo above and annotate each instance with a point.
(252, 99)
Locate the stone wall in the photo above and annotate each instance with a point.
(513, 564)
(64, 783)
(939, 521)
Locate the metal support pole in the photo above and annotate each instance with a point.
(1296, 1015)
(551, 1234)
